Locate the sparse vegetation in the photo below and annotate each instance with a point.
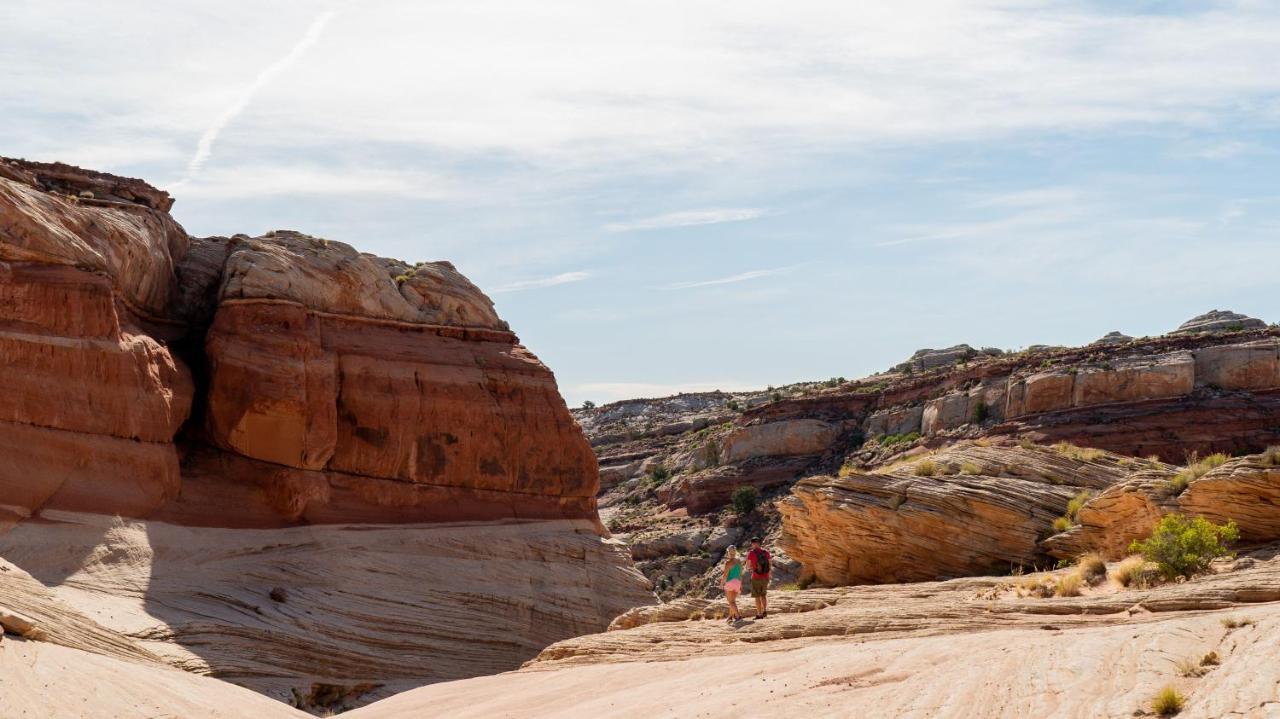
(926, 468)
(980, 412)
(588, 405)
(1210, 660)
(890, 440)
(1026, 443)
(1271, 457)
(1190, 668)
(1070, 519)
(734, 406)
(1061, 524)
(847, 468)
(1195, 469)
(1168, 702)
(776, 396)
(1129, 572)
(1183, 547)
(744, 500)
(1084, 454)
(1068, 585)
(659, 475)
(1092, 568)
(970, 468)
(1236, 622)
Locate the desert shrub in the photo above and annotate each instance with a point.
(588, 405)
(1236, 622)
(1068, 585)
(744, 500)
(1168, 701)
(1034, 587)
(1026, 443)
(1129, 571)
(847, 468)
(1061, 524)
(734, 406)
(1092, 568)
(1210, 660)
(980, 412)
(659, 474)
(711, 453)
(970, 468)
(891, 439)
(1181, 547)
(776, 396)
(926, 468)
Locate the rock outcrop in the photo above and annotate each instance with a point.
(1245, 490)
(1219, 321)
(264, 381)
(967, 510)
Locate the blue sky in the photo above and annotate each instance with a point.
(665, 196)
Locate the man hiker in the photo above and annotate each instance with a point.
(758, 559)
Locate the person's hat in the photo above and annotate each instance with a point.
(756, 540)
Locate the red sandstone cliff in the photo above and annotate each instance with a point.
(261, 381)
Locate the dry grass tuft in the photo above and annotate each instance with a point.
(926, 468)
(1129, 572)
(1195, 469)
(1027, 444)
(1092, 568)
(1084, 454)
(1191, 669)
(1271, 457)
(970, 468)
(1061, 524)
(1068, 585)
(1236, 622)
(1168, 701)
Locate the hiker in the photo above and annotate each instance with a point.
(758, 558)
(732, 582)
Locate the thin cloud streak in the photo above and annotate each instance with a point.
(688, 218)
(204, 148)
(731, 279)
(560, 279)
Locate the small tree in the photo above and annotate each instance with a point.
(744, 500)
(1182, 547)
(981, 412)
(588, 405)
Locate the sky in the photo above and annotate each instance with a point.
(673, 196)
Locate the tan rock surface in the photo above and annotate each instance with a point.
(779, 439)
(396, 607)
(985, 510)
(949, 649)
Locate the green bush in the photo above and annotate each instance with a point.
(659, 474)
(733, 405)
(1181, 547)
(981, 412)
(745, 500)
(588, 405)
(891, 439)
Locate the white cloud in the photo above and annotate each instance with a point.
(204, 148)
(268, 180)
(688, 218)
(560, 279)
(731, 279)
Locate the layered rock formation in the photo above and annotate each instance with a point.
(970, 509)
(261, 381)
(258, 410)
(1219, 321)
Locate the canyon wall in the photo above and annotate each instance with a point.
(257, 381)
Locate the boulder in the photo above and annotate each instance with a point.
(899, 420)
(984, 510)
(1113, 338)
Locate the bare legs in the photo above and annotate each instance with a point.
(732, 597)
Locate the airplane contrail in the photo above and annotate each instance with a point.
(205, 147)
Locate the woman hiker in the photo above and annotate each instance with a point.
(732, 582)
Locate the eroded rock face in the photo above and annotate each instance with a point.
(981, 510)
(331, 385)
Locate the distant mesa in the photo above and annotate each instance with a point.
(1219, 321)
(1113, 338)
(928, 358)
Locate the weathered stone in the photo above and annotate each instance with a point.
(779, 439)
(1251, 366)
(1219, 321)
